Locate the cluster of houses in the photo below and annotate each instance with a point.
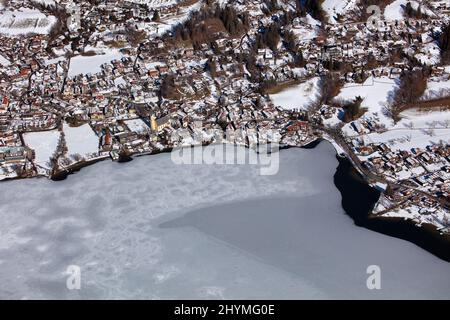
(123, 102)
(426, 169)
(154, 94)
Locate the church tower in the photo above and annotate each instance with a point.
(153, 123)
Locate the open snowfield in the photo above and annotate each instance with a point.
(421, 119)
(297, 97)
(92, 64)
(4, 62)
(44, 145)
(430, 54)
(437, 89)
(394, 11)
(167, 24)
(152, 229)
(155, 3)
(305, 33)
(416, 129)
(24, 21)
(137, 125)
(376, 92)
(81, 140)
(333, 7)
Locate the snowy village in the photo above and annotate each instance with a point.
(85, 81)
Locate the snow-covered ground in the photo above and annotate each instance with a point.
(413, 212)
(335, 119)
(333, 7)
(377, 94)
(81, 140)
(429, 53)
(297, 97)
(406, 139)
(157, 230)
(395, 10)
(92, 64)
(305, 32)
(167, 23)
(46, 2)
(44, 145)
(4, 62)
(420, 119)
(155, 3)
(24, 21)
(436, 89)
(416, 130)
(137, 125)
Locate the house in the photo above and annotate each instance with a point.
(11, 155)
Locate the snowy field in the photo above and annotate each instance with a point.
(430, 53)
(4, 62)
(47, 2)
(44, 144)
(375, 91)
(377, 94)
(137, 125)
(297, 97)
(153, 229)
(405, 139)
(333, 7)
(306, 33)
(24, 21)
(81, 140)
(436, 89)
(416, 130)
(155, 3)
(92, 64)
(394, 11)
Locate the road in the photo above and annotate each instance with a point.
(370, 176)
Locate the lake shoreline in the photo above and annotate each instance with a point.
(359, 200)
(347, 180)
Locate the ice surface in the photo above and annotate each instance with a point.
(152, 229)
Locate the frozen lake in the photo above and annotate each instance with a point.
(153, 229)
